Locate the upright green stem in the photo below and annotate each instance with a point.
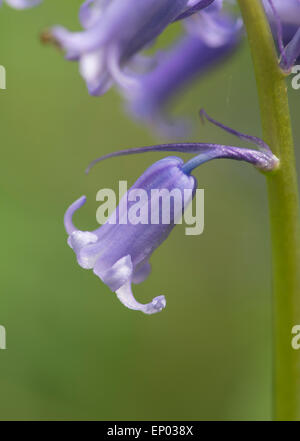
(284, 210)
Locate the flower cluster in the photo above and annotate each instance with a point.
(110, 54)
(109, 51)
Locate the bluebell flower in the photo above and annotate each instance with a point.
(284, 17)
(115, 31)
(119, 251)
(212, 35)
(21, 4)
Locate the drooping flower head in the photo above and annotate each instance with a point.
(21, 4)
(114, 33)
(119, 251)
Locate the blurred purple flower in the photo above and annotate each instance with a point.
(119, 251)
(21, 4)
(115, 32)
(212, 36)
(284, 18)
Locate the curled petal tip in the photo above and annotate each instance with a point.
(126, 297)
(157, 305)
(69, 226)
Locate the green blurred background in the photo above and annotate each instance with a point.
(73, 351)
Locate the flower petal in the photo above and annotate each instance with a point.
(69, 226)
(194, 6)
(141, 273)
(291, 52)
(117, 275)
(79, 239)
(126, 297)
(90, 11)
